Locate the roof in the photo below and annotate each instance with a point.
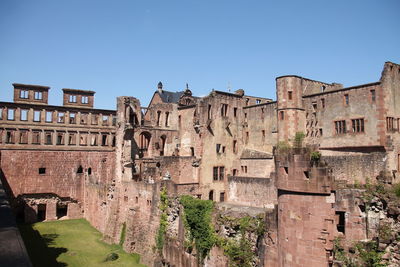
(170, 97)
(31, 86)
(79, 91)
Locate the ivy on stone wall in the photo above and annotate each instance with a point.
(197, 222)
(122, 236)
(162, 230)
(245, 232)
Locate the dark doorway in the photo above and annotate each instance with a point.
(41, 212)
(62, 210)
(211, 195)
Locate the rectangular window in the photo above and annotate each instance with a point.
(215, 173)
(36, 115)
(60, 138)
(1, 113)
(235, 112)
(36, 137)
(290, 95)
(373, 95)
(49, 116)
(158, 118)
(23, 137)
(234, 146)
(281, 115)
(105, 120)
(85, 100)
(10, 136)
(38, 95)
(114, 120)
(263, 135)
(258, 101)
(346, 99)
(222, 197)
(83, 139)
(71, 138)
(93, 139)
(246, 140)
(218, 148)
(224, 110)
(10, 114)
(209, 112)
(323, 102)
(72, 99)
(84, 118)
(24, 115)
(166, 119)
(357, 125)
(221, 173)
(24, 94)
(95, 119)
(340, 127)
(104, 139)
(48, 138)
(72, 119)
(390, 124)
(60, 117)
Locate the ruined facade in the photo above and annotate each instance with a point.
(109, 166)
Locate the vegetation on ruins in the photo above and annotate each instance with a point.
(240, 250)
(315, 157)
(162, 230)
(364, 254)
(198, 225)
(298, 139)
(123, 234)
(72, 243)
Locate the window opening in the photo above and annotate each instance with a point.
(24, 94)
(38, 95)
(72, 98)
(80, 169)
(49, 116)
(10, 114)
(24, 115)
(42, 170)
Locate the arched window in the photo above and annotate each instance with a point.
(144, 140)
(163, 139)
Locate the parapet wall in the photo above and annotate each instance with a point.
(253, 192)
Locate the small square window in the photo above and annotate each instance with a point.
(72, 98)
(38, 95)
(42, 170)
(24, 94)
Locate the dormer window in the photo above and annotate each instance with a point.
(38, 95)
(85, 100)
(72, 99)
(24, 94)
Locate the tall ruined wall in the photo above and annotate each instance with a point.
(306, 217)
(61, 177)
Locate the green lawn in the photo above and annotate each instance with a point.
(71, 243)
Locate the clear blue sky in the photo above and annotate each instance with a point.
(125, 47)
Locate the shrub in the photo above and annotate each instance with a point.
(112, 257)
(298, 139)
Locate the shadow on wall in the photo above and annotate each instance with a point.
(38, 247)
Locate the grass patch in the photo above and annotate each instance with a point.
(71, 243)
